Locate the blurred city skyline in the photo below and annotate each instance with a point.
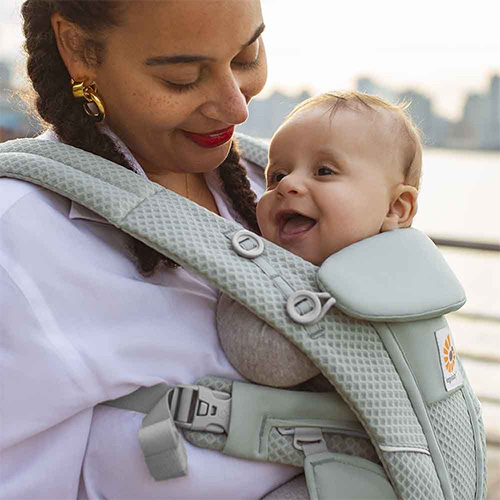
(478, 127)
(443, 49)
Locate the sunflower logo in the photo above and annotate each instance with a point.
(449, 355)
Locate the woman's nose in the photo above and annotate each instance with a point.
(228, 103)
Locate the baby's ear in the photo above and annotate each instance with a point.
(402, 208)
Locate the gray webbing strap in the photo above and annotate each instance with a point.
(142, 400)
(162, 444)
(160, 441)
(192, 407)
(194, 237)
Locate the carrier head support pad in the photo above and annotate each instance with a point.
(393, 276)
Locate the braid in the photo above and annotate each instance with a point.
(54, 99)
(56, 106)
(237, 187)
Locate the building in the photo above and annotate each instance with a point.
(492, 133)
(479, 127)
(434, 128)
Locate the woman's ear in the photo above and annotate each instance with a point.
(70, 41)
(402, 209)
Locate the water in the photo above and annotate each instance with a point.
(459, 195)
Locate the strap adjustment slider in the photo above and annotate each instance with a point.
(310, 440)
(247, 244)
(198, 408)
(304, 306)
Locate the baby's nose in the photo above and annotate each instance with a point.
(291, 184)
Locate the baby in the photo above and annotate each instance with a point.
(342, 167)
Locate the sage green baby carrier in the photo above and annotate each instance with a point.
(402, 422)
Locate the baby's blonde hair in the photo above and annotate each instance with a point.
(409, 133)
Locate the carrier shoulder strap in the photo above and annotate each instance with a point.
(277, 286)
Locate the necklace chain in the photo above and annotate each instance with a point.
(187, 186)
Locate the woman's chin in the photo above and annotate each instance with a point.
(204, 160)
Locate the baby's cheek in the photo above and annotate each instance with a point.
(264, 219)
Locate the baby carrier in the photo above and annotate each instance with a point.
(403, 422)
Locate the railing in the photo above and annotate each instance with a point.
(472, 245)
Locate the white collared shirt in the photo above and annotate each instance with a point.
(79, 325)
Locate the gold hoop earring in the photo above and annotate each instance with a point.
(93, 105)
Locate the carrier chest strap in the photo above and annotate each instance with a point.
(245, 416)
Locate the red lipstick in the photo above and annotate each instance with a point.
(211, 140)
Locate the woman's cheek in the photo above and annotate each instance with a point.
(259, 77)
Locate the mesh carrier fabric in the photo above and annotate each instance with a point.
(414, 476)
(451, 421)
(467, 390)
(482, 437)
(349, 352)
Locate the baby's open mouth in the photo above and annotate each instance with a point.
(293, 223)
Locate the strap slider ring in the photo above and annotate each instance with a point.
(304, 306)
(247, 244)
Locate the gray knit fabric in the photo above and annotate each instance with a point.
(257, 351)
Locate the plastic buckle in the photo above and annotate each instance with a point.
(198, 408)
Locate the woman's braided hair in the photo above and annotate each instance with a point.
(56, 106)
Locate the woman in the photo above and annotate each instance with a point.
(88, 314)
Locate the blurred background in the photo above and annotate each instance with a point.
(444, 57)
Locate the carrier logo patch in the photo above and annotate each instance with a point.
(449, 354)
(452, 376)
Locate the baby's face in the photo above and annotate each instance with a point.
(330, 181)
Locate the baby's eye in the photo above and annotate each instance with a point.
(279, 176)
(276, 177)
(325, 171)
